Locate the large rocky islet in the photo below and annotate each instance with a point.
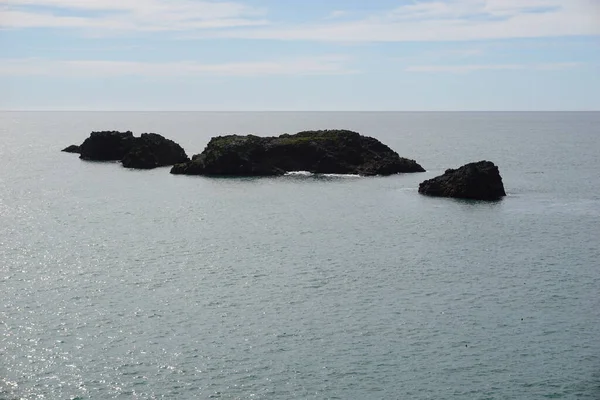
(326, 152)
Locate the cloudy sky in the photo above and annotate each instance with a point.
(300, 55)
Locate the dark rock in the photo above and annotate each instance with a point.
(140, 157)
(71, 149)
(478, 181)
(106, 146)
(152, 150)
(329, 151)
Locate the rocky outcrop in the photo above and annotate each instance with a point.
(71, 149)
(150, 150)
(479, 181)
(106, 146)
(328, 151)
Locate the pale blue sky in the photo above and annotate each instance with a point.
(300, 55)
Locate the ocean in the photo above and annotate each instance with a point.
(129, 284)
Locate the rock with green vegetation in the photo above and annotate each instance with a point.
(150, 150)
(478, 181)
(326, 151)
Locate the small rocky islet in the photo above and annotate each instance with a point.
(476, 181)
(320, 152)
(148, 151)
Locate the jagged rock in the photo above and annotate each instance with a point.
(71, 149)
(328, 151)
(106, 146)
(152, 150)
(479, 181)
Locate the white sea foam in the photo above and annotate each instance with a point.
(341, 175)
(299, 173)
(307, 173)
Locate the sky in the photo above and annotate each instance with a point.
(327, 55)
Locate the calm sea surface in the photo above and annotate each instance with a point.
(138, 284)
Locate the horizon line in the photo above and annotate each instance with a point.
(299, 111)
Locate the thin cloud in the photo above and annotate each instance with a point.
(454, 20)
(463, 69)
(337, 14)
(420, 20)
(329, 65)
(460, 9)
(20, 19)
(140, 15)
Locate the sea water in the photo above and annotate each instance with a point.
(119, 283)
